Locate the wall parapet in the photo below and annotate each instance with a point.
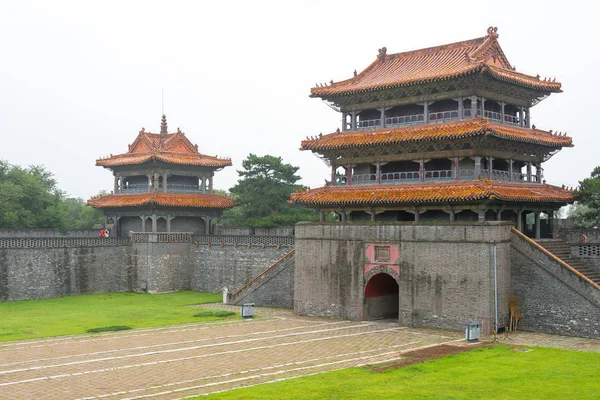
(588, 250)
(53, 242)
(573, 235)
(161, 237)
(240, 240)
(36, 233)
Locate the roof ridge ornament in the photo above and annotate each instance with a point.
(492, 31)
(163, 124)
(382, 53)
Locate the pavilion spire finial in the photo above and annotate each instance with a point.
(163, 124)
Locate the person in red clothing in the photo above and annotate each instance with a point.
(102, 233)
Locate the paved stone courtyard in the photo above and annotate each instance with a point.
(180, 361)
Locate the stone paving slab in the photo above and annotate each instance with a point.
(180, 361)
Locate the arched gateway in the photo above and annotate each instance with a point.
(381, 293)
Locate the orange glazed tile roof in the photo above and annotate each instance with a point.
(481, 55)
(171, 148)
(430, 192)
(430, 132)
(162, 199)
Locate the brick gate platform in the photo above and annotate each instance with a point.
(180, 361)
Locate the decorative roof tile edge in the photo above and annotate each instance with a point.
(479, 126)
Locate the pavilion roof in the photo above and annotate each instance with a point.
(433, 192)
(467, 128)
(165, 199)
(481, 55)
(171, 148)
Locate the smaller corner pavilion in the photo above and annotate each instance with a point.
(442, 133)
(162, 184)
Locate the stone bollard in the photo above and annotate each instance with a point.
(225, 294)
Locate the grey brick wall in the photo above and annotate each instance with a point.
(216, 267)
(446, 274)
(53, 272)
(274, 288)
(553, 299)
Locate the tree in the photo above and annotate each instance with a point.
(82, 216)
(29, 198)
(588, 194)
(263, 193)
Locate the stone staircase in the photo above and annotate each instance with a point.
(562, 250)
(261, 280)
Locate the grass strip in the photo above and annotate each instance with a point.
(78, 314)
(499, 372)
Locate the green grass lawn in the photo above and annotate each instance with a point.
(115, 311)
(492, 373)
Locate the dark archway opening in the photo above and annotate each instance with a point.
(381, 297)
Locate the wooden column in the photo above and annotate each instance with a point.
(344, 124)
(417, 215)
(116, 186)
(473, 106)
(521, 116)
(490, 163)
(481, 215)
(551, 224)
(210, 184)
(520, 220)
(154, 223)
(537, 224)
(528, 172)
(373, 215)
(538, 172)
(333, 168)
(207, 226)
(378, 172)
(343, 216)
(348, 175)
(426, 112)
(461, 108)
(452, 215)
(321, 216)
(477, 166)
(353, 122)
(383, 117)
(502, 104)
(421, 170)
(456, 168)
(482, 106)
(528, 120)
(510, 170)
(498, 215)
(168, 224)
(165, 182)
(143, 218)
(149, 182)
(155, 181)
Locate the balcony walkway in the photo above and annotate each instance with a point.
(436, 176)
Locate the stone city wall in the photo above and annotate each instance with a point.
(44, 267)
(37, 273)
(445, 273)
(215, 267)
(553, 298)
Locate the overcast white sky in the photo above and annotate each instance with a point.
(79, 79)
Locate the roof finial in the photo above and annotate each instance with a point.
(163, 124)
(492, 31)
(382, 53)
